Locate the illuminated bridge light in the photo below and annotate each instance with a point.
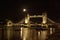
(26, 20)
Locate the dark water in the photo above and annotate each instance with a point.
(15, 34)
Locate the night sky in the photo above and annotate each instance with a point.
(13, 9)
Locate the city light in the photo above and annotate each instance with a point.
(26, 20)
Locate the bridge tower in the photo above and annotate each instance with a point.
(27, 31)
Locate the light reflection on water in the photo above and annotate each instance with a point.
(25, 34)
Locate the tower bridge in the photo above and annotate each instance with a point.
(27, 30)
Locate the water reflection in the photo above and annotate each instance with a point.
(20, 33)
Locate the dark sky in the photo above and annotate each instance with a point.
(13, 9)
